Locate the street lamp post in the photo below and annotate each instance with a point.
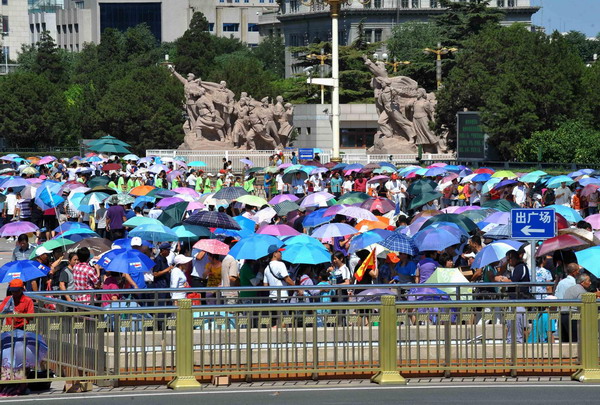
(334, 9)
(393, 64)
(439, 51)
(322, 57)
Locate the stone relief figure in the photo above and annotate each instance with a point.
(404, 112)
(213, 115)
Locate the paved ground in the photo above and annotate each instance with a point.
(492, 390)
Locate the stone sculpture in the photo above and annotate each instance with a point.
(404, 111)
(215, 120)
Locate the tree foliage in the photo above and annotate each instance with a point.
(271, 52)
(462, 19)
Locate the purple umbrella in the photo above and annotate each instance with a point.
(415, 227)
(334, 209)
(357, 213)
(15, 182)
(186, 191)
(319, 170)
(173, 174)
(284, 166)
(316, 199)
(435, 171)
(283, 197)
(278, 230)
(505, 183)
(499, 217)
(374, 294)
(156, 169)
(333, 230)
(378, 179)
(17, 228)
(45, 160)
(165, 202)
(247, 162)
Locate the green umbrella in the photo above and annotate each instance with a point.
(53, 244)
(252, 200)
(423, 199)
(500, 205)
(137, 221)
(101, 189)
(256, 169)
(107, 139)
(478, 215)
(98, 181)
(173, 214)
(421, 186)
(121, 199)
(272, 169)
(110, 148)
(285, 207)
(353, 198)
(457, 219)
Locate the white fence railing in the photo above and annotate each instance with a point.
(260, 158)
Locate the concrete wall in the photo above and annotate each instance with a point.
(18, 26)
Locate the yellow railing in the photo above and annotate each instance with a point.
(385, 339)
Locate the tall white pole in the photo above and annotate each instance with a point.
(335, 74)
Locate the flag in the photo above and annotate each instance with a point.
(370, 263)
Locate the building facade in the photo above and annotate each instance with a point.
(14, 25)
(302, 24)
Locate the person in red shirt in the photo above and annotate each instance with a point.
(16, 303)
(360, 184)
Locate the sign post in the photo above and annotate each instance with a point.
(306, 154)
(532, 225)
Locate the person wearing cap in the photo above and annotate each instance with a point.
(23, 249)
(275, 274)
(42, 256)
(179, 273)
(387, 271)
(16, 303)
(219, 181)
(162, 269)
(579, 202)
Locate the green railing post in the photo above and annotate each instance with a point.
(388, 344)
(588, 341)
(184, 349)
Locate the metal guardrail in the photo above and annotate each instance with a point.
(385, 339)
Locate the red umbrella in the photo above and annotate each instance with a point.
(111, 166)
(314, 163)
(382, 205)
(330, 165)
(212, 246)
(484, 170)
(561, 242)
(561, 221)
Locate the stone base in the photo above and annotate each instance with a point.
(388, 377)
(184, 383)
(587, 376)
(394, 146)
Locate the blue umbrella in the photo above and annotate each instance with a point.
(126, 243)
(400, 243)
(24, 269)
(77, 231)
(154, 233)
(505, 183)
(316, 218)
(333, 231)
(187, 231)
(499, 232)
(254, 247)
(69, 225)
(196, 163)
(435, 171)
(481, 177)
(386, 164)
(47, 197)
(569, 213)
(435, 240)
(494, 252)
(15, 182)
(588, 258)
(143, 199)
(533, 176)
(299, 253)
(363, 240)
(303, 238)
(126, 261)
(554, 182)
(588, 181)
(339, 166)
(23, 349)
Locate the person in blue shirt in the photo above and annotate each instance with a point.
(335, 185)
(294, 158)
(406, 269)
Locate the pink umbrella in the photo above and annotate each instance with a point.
(334, 209)
(317, 199)
(213, 246)
(278, 230)
(180, 163)
(378, 179)
(173, 174)
(165, 202)
(17, 228)
(353, 170)
(284, 166)
(411, 175)
(45, 160)
(195, 205)
(451, 209)
(594, 220)
(35, 180)
(437, 165)
(450, 177)
(186, 191)
(283, 197)
(589, 190)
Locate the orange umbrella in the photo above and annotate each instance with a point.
(141, 190)
(34, 159)
(385, 220)
(366, 225)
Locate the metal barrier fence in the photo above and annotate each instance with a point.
(384, 339)
(260, 158)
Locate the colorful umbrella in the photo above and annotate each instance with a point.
(95, 245)
(366, 239)
(333, 230)
(141, 190)
(166, 202)
(283, 197)
(17, 228)
(569, 213)
(285, 207)
(230, 193)
(588, 258)
(397, 242)
(494, 252)
(212, 219)
(561, 242)
(127, 261)
(213, 246)
(187, 231)
(252, 200)
(154, 233)
(357, 213)
(437, 239)
(139, 220)
(24, 269)
(319, 199)
(277, 230)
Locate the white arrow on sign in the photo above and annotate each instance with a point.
(528, 230)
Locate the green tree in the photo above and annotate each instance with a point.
(407, 43)
(591, 94)
(462, 19)
(586, 48)
(521, 82)
(33, 111)
(271, 52)
(236, 68)
(194, 48)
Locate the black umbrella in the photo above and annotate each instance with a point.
(173, 214)
(102, 189)
(290, 176)
(213, 219)
(98, 181)
(95, 245)
(230, 193)
(285, 207)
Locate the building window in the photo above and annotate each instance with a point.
(237, 1)
(294, 5)
(76, 26)
(79, 4)
(246, 1)
(368, 36)
(31, 28)
(416, 3)
(404, 4)
(252, 27)
(43, 26)
(70, 28)
(378, 3)
(511, 3)
(211, 27)
(357, 137)
(231, 27)
(122, 16)
(500, 3)
(5, 53)
(378, 34)
(5, 28)
(433, 3)
(261, 1)
(5, 2)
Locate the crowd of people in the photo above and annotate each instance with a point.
(101, 195)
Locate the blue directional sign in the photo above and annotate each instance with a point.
(306, 153)
(532, 223)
